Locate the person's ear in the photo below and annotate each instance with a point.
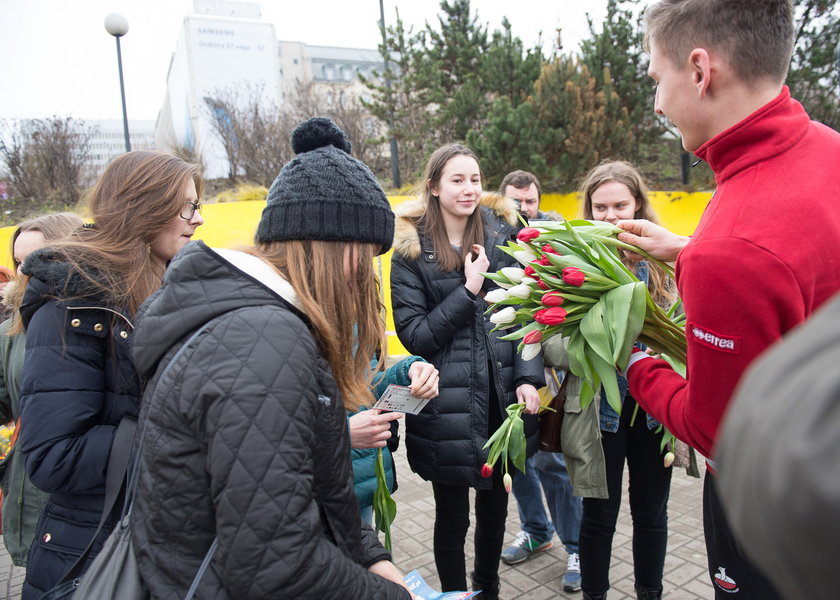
(700, 65)
(433, 188)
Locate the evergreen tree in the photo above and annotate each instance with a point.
(509, 141)
(445, 80)
(616, 59)
(581, 123)
(399, 107)
(451, 71)
(814, 76)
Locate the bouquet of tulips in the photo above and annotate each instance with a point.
(573, 283)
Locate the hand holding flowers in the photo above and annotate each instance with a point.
(578, 287)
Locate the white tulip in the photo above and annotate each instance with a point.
(496, 295)
(504, 316)
(515, 274)
(524, 256)
(523, 290)
(530, 351)
(525, 246)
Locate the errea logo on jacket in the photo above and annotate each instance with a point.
(731, 344)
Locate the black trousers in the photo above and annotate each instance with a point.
(733, 575)
(452, 520)
(650, 486)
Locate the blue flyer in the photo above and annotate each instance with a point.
(418, 586)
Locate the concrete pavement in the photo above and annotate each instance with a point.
(539, 577)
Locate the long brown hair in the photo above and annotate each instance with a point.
(53, 227)
(139, 193)
(432, 223)
(345, 312)
(661, 288)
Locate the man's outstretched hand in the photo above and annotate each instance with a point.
(652, 238)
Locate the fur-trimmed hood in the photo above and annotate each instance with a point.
(407, 238)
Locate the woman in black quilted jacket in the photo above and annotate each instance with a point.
(78, 382)
(245, 436)
(444, 241)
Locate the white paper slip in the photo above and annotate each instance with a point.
(398, 399)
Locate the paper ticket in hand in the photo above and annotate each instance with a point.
(397, 398)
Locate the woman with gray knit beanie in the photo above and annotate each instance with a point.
(244, 436)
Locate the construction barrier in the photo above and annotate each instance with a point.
(229, 225)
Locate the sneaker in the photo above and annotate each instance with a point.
(523, 548)
(571, 578)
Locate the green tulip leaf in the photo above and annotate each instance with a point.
(384, 507)
(606, 371)
(635, 323)
(516, 447)
(587, 392)
(521, 332)
(616, 315)
(595, 331)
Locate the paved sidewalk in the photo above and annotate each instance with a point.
(538, 578)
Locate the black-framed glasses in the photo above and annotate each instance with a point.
(189, 210)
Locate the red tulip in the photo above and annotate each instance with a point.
(552, 299)
(551, 316)
(542, 284)
(573, 276)
(544, 261)
(547, 248)
(528, 234)
(529, 271)
(533, 337)
(486, 470)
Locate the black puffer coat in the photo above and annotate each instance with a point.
(78, 383)
(245, 439)
(437, 318)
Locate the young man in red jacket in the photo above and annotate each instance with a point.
(766, 252)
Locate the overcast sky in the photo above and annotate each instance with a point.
(57, 58)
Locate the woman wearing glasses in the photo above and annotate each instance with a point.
(78, 379)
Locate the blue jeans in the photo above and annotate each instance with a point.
(548, 470)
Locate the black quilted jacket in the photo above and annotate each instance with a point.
(437, 318)
(245, 439)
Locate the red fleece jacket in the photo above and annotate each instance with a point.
(765, 255)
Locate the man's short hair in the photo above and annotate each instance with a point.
(520, 180)
(755, 36)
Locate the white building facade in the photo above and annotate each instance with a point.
(108, 140)
(225, 46)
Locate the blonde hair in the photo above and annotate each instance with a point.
(53, 227)
(623, 172)
(345, 312)
(139, 193)
(431, 223)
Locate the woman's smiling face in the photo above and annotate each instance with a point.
(459, 188)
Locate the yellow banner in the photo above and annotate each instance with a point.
(229, 225)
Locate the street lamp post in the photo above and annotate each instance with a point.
(395, 156)
(117, 25)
